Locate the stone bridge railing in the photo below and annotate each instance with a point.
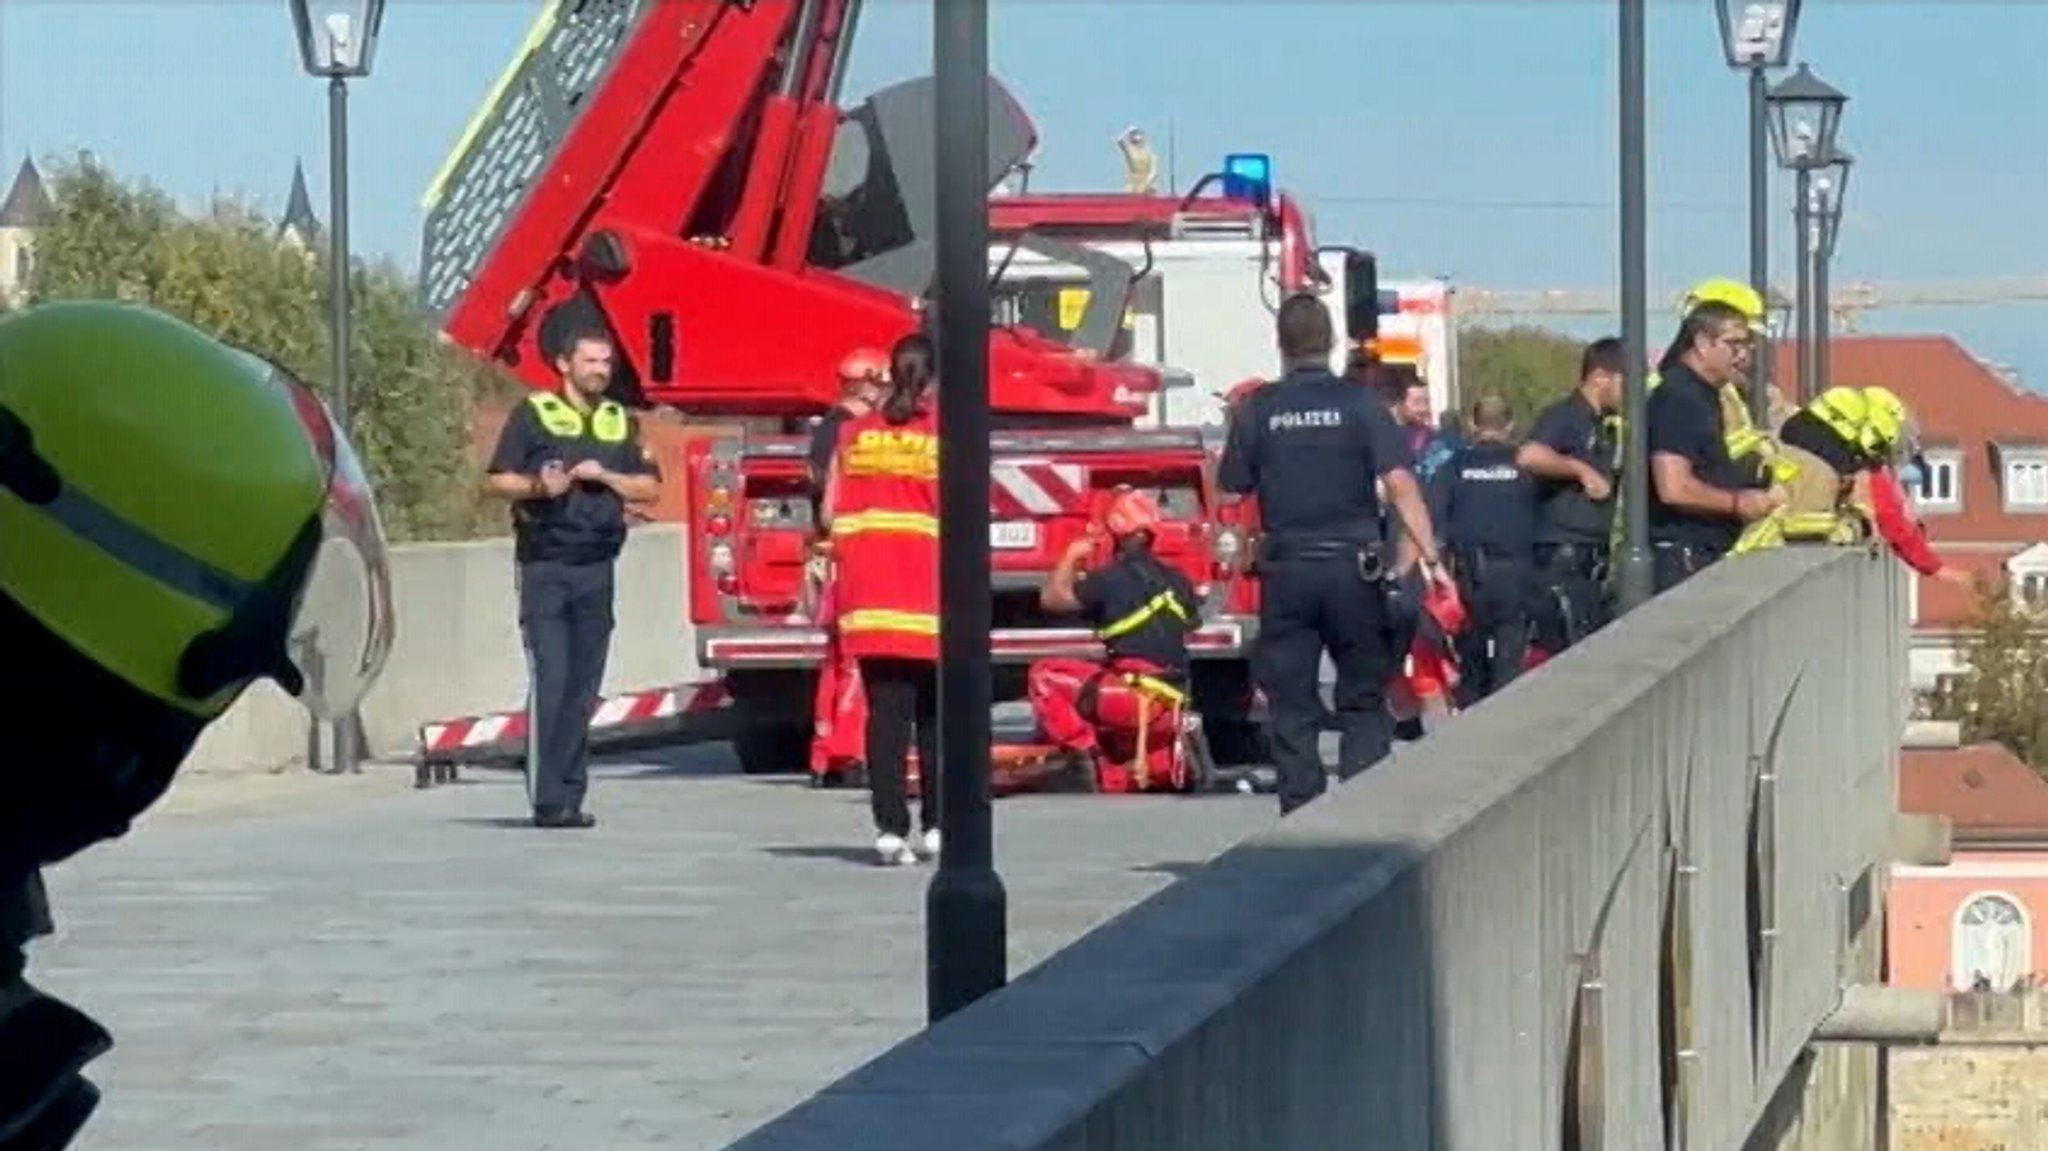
(1604, 912)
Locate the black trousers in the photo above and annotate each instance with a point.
(1569, 597)
(903, 702)
(1495, 641)
(565, 613)
(1672, 564)
(1307, 607)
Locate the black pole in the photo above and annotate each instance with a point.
(337, 251)
(1635, 585)
(1760, 236)
(1802, 220)
(347, 753)
(965, 908)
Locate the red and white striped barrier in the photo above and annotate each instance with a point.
(1022, 489)
(480, 737)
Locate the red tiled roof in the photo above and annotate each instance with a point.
(1984, 789)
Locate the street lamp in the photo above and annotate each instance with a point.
(1756, 37)
(1806, 115)
(1830, 186)
(966, 908)
(1778, 309)
(1777, 330)
(338, 40)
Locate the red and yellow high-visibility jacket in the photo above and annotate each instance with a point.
(885, 537)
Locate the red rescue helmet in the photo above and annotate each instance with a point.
(1240, 391)
(1129, 513)
(1445, 606)
(864, 365)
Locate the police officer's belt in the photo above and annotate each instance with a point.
(1580, 556)
(1371, 558)
(1276, 550)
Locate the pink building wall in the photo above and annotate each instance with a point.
(1986, 911)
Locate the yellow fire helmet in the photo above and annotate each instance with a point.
(1891, 425)
(1846, 412)
(1721, 290)
(183, 514)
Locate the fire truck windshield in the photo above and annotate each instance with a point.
(1086, 315)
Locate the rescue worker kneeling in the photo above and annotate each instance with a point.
(1127, 713)
(1826, 451)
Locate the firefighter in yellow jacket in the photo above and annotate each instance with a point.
(1826, 452)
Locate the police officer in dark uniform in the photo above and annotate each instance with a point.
(1484, 505)
(570, 463)
(1700, 498)
(1573, 452)
(1311, 447)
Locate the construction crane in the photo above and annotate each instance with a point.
(1846, 301)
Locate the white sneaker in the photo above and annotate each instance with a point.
(892, 851)
(928, 843)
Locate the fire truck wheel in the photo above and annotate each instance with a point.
(773, 749)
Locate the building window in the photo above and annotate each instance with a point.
(2032, 588)
(1992, 944)
(1941, 483)
(2026, 482)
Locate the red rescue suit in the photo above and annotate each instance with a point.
(839, 713)
(1430, 671)
(1124, 714)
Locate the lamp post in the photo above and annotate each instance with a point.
(966, 933)
(1806, 115)
(1778, 319)
(1830, 185)
(1636, 583)
(337, 41)
(1756, 37)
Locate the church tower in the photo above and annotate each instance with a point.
(299, 227)
(23, 212)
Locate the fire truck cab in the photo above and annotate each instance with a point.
(1201, 277)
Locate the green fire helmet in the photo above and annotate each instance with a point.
(185, 514)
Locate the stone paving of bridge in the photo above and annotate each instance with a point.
(421, 972)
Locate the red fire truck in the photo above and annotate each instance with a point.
(681, 171)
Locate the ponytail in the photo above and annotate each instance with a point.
(911, 372)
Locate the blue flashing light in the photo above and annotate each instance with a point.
(1248, 176)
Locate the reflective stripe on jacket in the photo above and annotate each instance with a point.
(1821, 506)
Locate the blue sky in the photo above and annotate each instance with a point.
(1472, 140)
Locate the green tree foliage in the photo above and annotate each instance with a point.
(225, 271)
(2002, 697)
(1530, 367)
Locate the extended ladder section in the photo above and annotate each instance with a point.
(679, 172)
